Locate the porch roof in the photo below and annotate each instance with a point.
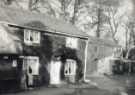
(23, 18)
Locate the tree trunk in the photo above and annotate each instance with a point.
(98, 35)
(76, 5)
(30, 5)
(63, 4)
(99, 22)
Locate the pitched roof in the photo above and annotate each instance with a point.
(19, 17)
(42, 22)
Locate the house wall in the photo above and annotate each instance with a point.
(50, 43)
(48, 46)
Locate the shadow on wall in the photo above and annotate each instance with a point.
(43, 50)
(45, 58)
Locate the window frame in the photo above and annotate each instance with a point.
(36, 35)
(72, 65)
(72, 42)
(27, 60)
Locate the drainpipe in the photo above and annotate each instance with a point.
(85, 62)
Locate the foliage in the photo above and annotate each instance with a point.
(68, 53)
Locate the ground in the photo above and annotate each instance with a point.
(63, 91)
(106, 85)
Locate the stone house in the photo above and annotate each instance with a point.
(36, 38)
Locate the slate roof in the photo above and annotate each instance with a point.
(23, 18)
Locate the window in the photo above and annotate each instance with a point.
(14, 64)
(33, 63)
(5, 64)
(72, 42)
(31, 37)
(70, 67)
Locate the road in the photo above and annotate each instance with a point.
(64, 91)
(116, 85)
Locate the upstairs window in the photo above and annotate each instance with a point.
(31, 37)
(72, 42)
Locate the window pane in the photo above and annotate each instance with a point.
(31, 36)
(35, 36)
(26, 35)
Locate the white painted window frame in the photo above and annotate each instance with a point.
(72, 42)
(71, 64)
(27, 58)
(34, 34)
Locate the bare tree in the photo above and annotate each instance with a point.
(113, 22)
(76, 5)
(130, 27)
(98, 22)
(65, 4)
